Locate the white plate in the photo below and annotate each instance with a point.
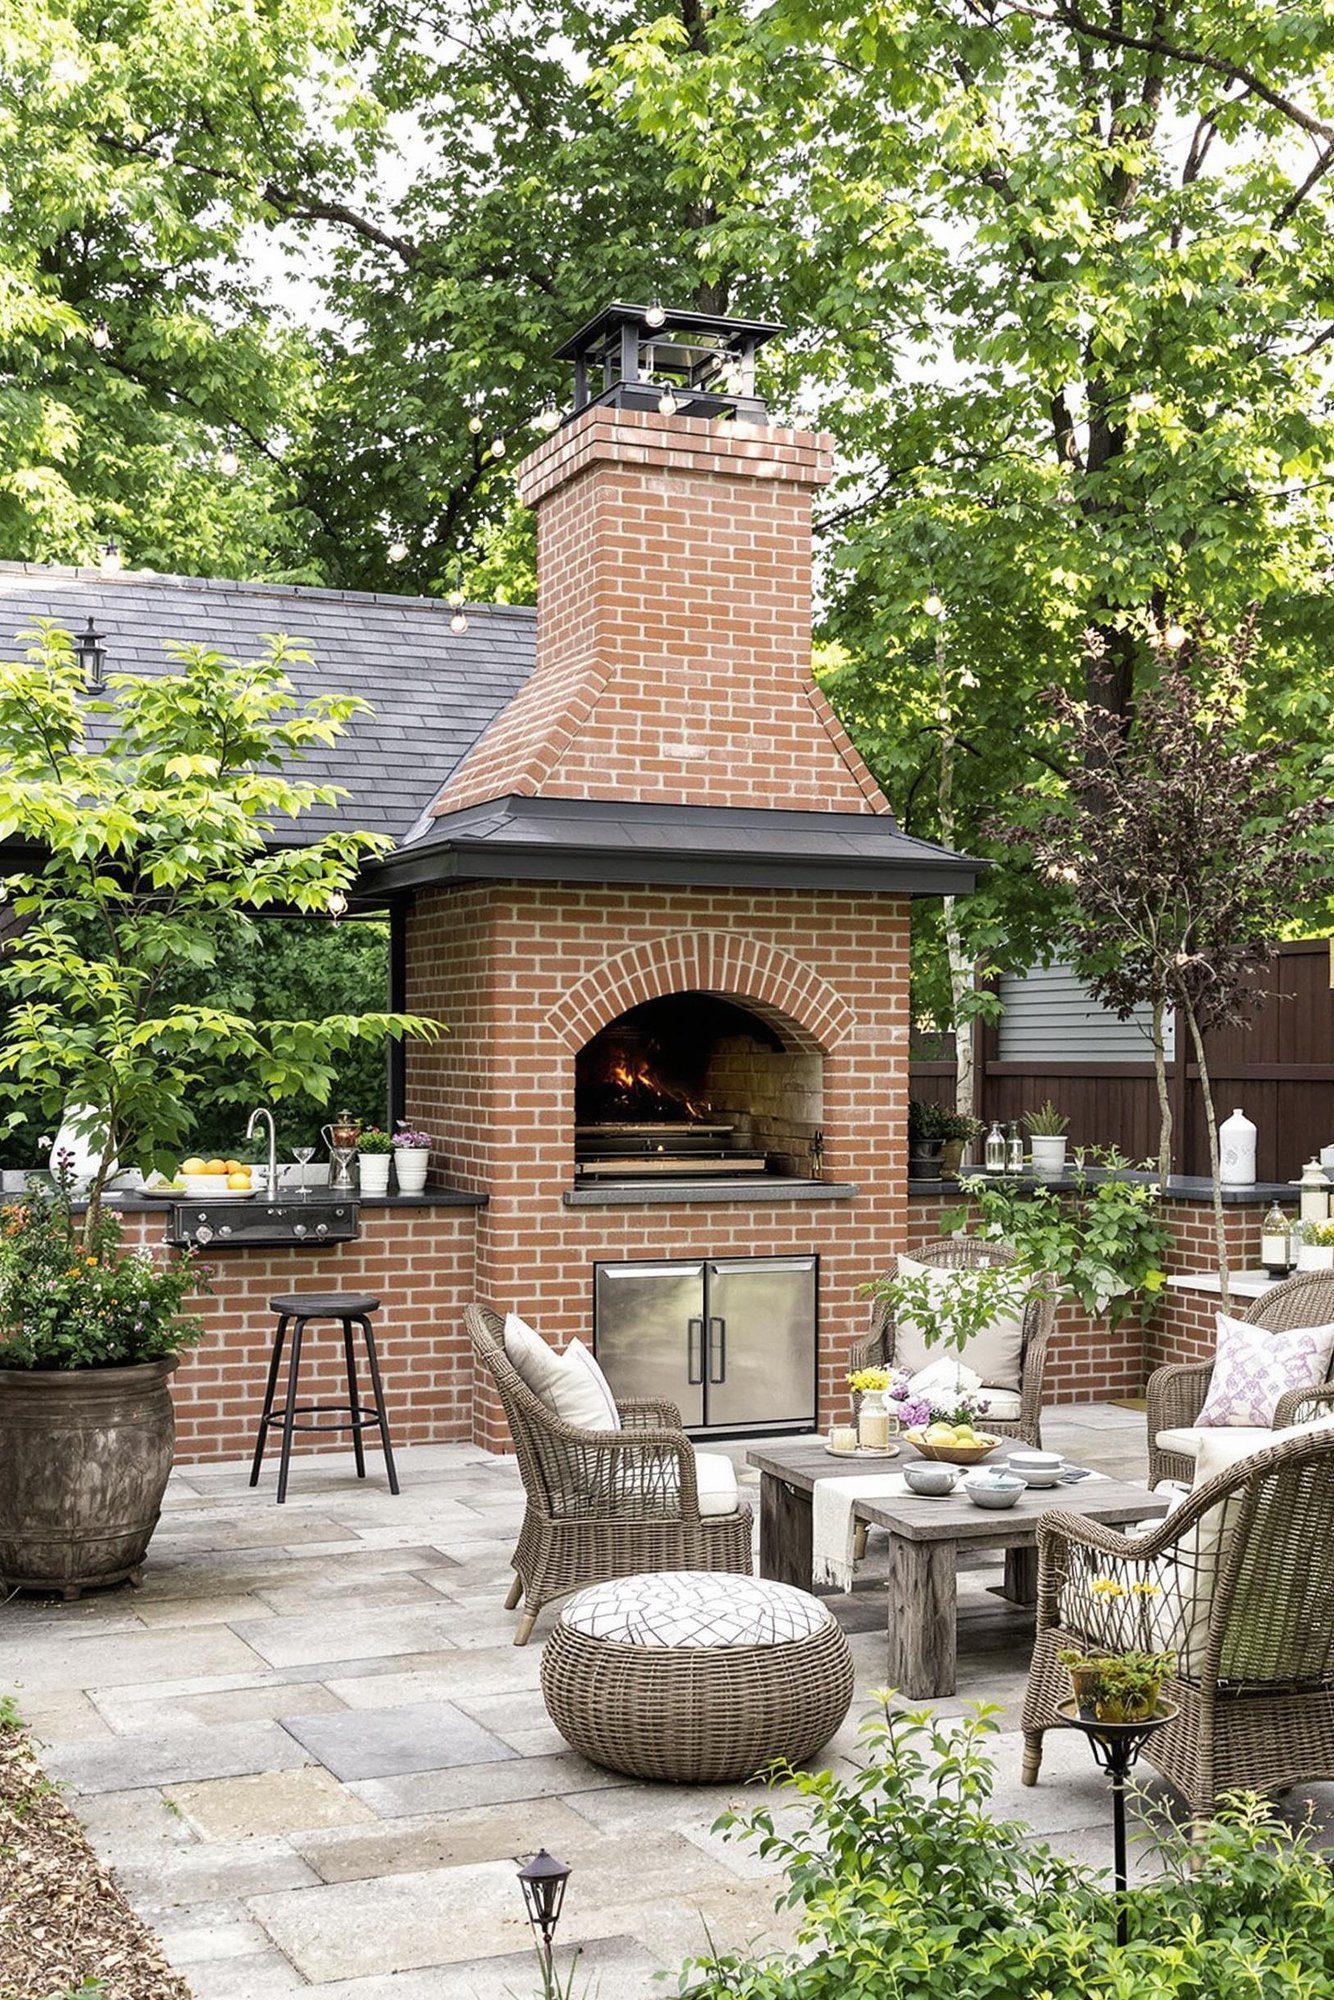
(865, 1451)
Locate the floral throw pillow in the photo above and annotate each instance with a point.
(1253, 1367)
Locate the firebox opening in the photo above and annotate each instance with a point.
(695, 1085)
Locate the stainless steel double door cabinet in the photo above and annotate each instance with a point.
(730, 1341)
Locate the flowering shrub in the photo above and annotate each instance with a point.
(68, 1304)
(405, 1136)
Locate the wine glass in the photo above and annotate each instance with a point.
(303, 1155)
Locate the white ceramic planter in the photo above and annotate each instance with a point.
(373, 1169)
(1315, 1257)
(410, 1164)
(1048, 1154)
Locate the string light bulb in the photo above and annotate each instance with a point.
(656, 315)
(548, 416)
(667, 403)
(229, 461)
(337, 904)
(1142, 400)
(456, 602)
(497, 446)
(1175, 635)
(933, 603)
(475, 424)
(397, 552)
(101, 336)
(111, 561)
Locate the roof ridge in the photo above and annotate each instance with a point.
(162, 579)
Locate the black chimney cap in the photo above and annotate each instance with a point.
(688, 363)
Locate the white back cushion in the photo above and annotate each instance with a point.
(580, 1394)
(995, 1355)
(529, 1356)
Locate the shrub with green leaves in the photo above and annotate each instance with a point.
(907, 1889)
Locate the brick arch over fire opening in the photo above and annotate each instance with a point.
(801, 1006)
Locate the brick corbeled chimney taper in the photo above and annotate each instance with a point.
(674, 624)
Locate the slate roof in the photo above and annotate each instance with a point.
(433, 691)
(603, 840)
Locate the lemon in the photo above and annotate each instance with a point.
(194, 1165)
(216, 1167)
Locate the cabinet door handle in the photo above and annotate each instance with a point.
(718, 1369)
(694, 1352)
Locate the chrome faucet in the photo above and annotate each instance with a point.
(264, 1112)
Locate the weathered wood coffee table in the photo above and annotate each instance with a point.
(925, 1536)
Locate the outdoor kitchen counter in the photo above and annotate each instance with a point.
(1188, 1188)
(431, 1198)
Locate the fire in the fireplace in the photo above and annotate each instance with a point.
(635, 1089)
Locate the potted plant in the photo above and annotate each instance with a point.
(928, 1129)
(1117, 1687)
(961, 1133)
(412, 1154)
(374, 1152)
(89, 1335)
(1315, 1252)
(1047, 1128)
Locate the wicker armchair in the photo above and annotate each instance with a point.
(601, 1504)
(1246, 1600)
(970, 1253)
(1176, 1392)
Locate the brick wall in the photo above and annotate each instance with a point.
(674, 625)
(524, 974)
(1086, 1360)
(418, 1261)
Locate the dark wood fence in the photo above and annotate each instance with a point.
(1280, 1070)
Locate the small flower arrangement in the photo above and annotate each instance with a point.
(72, 1297)
(406, 1139)
(1118, 1687)
(916, 1411)
(373, 1140)
(866, 1381)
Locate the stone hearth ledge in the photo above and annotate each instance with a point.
(672, 1194)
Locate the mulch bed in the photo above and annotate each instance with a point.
(65, 1928)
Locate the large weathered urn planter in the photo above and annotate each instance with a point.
(84, 1459)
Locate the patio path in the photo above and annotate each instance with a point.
(311, 1751)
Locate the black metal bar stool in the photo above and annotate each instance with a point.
(295, 1309)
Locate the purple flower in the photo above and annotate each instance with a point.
(406, 1137)
(914, 1413)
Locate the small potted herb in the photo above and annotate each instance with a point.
(1316, 1249)
(412, 1154)
(928, 1129)
(1047, 1128)
(1117, 1687)
(961, 1133)
(375, 1150)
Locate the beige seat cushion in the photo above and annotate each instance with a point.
(715, 1482)
(1005, 1406)
(1185, 1440)
(994, 1355)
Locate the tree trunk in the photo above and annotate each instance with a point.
(1164, 1097)
(962, 977)
(1211, 1125)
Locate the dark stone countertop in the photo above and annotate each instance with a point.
(1181, 1187)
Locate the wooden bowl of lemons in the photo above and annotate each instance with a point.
(953, 1444)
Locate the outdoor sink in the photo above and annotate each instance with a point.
(220, 1225)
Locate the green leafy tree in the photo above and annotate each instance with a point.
(152, 840)
(1060, 286)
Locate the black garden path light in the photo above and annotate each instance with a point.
(1116, 1747)
(543, 1882)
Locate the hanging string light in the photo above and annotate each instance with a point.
(497, 446)
(111, 561)
(933, 603)
(1142, 400)
(456, 602)
(656, 315)
(1175, 635)
(337, 904)
(548, 416)
(229, 460)
(101, 336)
(397, 552)
(667, 403)
(475, 424)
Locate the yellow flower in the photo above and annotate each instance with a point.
(1144, 1589)
(1106, 1586)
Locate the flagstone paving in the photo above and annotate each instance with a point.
(312, 1753)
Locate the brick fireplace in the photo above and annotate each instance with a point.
(665, 854)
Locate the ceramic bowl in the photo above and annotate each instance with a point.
(1036, 1468)
(923, 1476)
(955, 1454)
(993, 1489)
(201, 1187)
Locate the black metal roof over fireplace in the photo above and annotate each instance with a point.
(685, 364)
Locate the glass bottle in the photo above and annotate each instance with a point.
(1274, 1242)
(995, 1150)
(1014, 1148)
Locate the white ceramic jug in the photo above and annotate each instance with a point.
(1236, 1150)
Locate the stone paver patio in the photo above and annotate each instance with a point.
(311, 1751)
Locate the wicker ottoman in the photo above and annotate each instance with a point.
(697, 1678)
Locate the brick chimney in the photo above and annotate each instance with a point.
(674, 624)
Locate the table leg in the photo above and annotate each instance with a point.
(785, 1532)
(923, 1609)
(1021, 1576)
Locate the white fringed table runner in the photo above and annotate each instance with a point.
(832, 1524)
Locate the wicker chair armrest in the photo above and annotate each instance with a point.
(1299, 1406)
(1059, 1532)
(641, 1413)
(639, 1473)
(1176, 1395)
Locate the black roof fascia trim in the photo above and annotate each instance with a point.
(454, 861)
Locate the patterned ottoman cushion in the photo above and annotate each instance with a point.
(677, 1608)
